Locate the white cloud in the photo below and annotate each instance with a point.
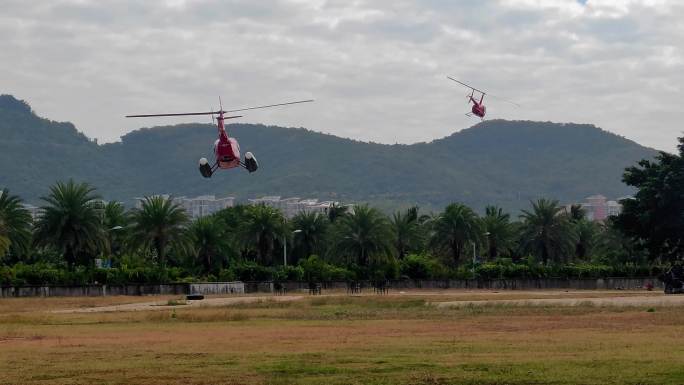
(376, 68)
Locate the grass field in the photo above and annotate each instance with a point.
(394, 339)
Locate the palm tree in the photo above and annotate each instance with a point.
(499, 231)
(157, 224)
(312, 229)
(234, 218)
(363, 233)
(71, 221)
(15, 225)
(617, 248)
(577, 213)
(455, 228)
(264, 226)
(406, 232)
(209, 240)
(587, 238)
(547, 231)
(115, 221)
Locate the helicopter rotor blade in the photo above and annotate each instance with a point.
(504, 100)
(463, 84)
(270, 105)
(178, 114)
(484, 93)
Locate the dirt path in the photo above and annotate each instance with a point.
(164, 305)
(650, 300)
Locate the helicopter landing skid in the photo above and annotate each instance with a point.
(206, 170)
(250, 168)
(470, 115)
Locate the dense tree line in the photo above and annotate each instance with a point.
(158, 241)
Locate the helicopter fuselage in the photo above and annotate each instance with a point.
(478, 108)
(226, 149)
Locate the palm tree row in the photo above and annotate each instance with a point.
(75, 224)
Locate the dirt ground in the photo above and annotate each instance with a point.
(400, 338)
(174, 303)
(621, 299)
(440, 298)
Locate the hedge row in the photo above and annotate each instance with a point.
(315, 269)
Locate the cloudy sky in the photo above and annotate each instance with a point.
(377, 69)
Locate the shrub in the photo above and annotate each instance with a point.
(416, 266)
(252, 271)
(289, 273)
(227, 275)
(315, 269)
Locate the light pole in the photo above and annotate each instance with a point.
(486, 234)
(285, 246)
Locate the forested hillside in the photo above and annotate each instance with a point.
(495, 162)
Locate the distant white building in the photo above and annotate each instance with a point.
(598, 208)
(293, 206)
(139, 201)
(204, 205)
(197, 207)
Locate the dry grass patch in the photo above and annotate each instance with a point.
(346, 340)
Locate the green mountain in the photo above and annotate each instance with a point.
(495, 162)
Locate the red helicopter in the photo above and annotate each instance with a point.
(478, 109)
(226, 149)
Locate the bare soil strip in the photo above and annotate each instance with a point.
(650, 300)
(166, 305)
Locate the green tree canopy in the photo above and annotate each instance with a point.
(654, 218)
(157, 224)
(406, 232)
(15, 225)
(263, 227)
(312, 230)
(362, 234)
(548, 232)
(71, 222)
(499, 231)
(209, 241)
(457, 226)
(115, 222)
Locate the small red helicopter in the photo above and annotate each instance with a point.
(478, 109)
(226, 149)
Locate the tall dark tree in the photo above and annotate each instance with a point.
(157, 224)
(234, 218)
(209, 241)
(336, 211)
(577, 213)
(363, 234)
(614, 247)
(406, 232)
(311, 231)
(455, 228)
(115, 222)
(588, 234)
(548, 232)
(15, 225)
(264, 226)
(71, 222)
(499, 232)
(654, 218)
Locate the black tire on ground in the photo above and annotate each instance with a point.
(194, 297)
